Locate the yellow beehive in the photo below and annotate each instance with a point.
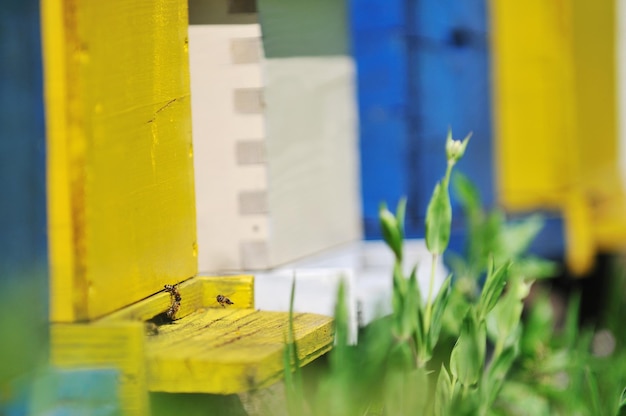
(122, 214)
(555, 118)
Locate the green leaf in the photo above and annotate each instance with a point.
(517, 236)
(504, 318)
(341, 315)
(401, 356)
(392, 234)
(415, 287)
(531, 267)
(290, 388)
(622, 400)
(496, 374)
(494, 285)
(291, 336)
(443, 394)
(522, 399)
(438, 220)
(539, 327)
(458, 305)
(413, 309)
(291, 363)
(399, 282)
(468, 354)
(570, 328)
(558, 360)
(594, 391)
(399, 300)
(468, 197)
(400, 214)
(403, 390)
(439, 306)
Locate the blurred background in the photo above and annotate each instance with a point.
(537, 85)
(308, 114)
(329, 108)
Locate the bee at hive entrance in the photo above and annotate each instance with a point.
(223, 300)
(175, 299)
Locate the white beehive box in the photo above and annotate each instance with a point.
(366, 270)
(275, 149)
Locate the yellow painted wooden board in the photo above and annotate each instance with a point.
(595, 89)
(534, 101)
(207, 349)
(555, 124)
(120, 168)
(197, 293)
(230, 350)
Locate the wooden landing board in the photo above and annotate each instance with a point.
(207, 349)
(229, 350)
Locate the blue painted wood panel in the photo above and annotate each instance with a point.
(382, 107)
(422, 67)
(23, 240)
(449, 88)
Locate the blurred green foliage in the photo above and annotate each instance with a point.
(467, 350)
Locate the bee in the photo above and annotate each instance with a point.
(171, 311)
(223, 300)
(173, 291)
(175, 298)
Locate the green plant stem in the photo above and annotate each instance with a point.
(446, 180)
(416, 357)
(429, 299)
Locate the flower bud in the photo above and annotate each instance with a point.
(455, 148)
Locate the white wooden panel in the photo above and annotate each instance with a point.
(275, 151)
(313, 155)
(365, 267)
(218, 78)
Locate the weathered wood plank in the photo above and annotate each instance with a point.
(230, 350)
(215, 349)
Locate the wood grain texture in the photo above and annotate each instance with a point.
(230, 350)
(206, 349)
(197, 293)
(112, 345)
(120, 165)
(239, 289)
